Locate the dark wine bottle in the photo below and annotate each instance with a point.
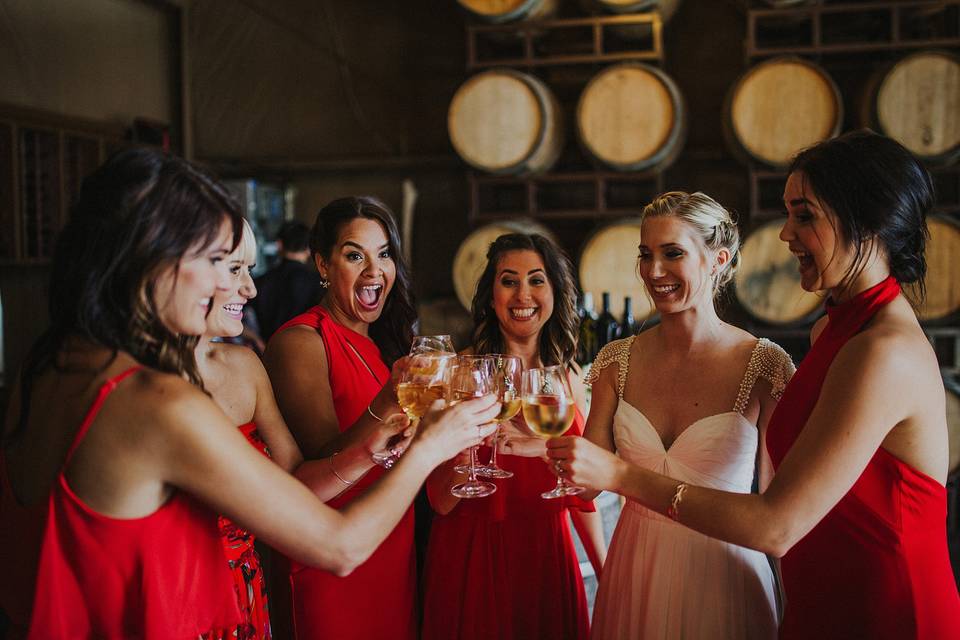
(587, 342)
(608, 329)
(628, 326)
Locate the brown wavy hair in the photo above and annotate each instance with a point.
(558, 337)
(136, 216)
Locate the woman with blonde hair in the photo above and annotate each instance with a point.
(690, 397)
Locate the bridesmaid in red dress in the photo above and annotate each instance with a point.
(238, 383)
(504, 566)
(857, 506)
(115, 463)
(330, 371)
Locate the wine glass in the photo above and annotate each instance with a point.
(431, 344)
(424, 381)
(507, 370)
(548, 408)
(471, 378)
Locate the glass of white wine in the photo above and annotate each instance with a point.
(472, 378)
(507, 370)
(426, 345)
(548, 408)
(423, 382)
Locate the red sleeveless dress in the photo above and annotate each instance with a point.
(244, 562)
(378, 599)
(877, 565)
(160, 576)
(505, 566)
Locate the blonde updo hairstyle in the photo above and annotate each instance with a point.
(714, 225)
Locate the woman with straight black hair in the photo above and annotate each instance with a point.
(857, 505)
(115, 463)
(330, 370)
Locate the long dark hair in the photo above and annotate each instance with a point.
(558, 338)
(876, 188)
(393, 330)
(136, 215)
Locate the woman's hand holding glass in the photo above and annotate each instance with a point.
(419, 379)
(445, 432)
(549, 409)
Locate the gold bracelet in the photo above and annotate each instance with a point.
(375, 416)
(338, 476)
(673, 511)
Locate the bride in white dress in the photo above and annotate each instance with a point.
(689, 398)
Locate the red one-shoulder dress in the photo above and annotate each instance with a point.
(378, 599)
(877, 565)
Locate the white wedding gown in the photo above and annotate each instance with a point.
(662, 580)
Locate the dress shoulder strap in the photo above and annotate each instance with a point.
(105, 389)
(770, 362)
(617, 352)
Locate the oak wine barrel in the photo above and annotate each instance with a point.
(630, 117)
(781, 106)
(943, 275)
(471, 256)
(501, 11)
(767, 283)
(608, 262)
(666, 8)
(917, 102)
(507, 122)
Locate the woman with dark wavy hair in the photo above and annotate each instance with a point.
(505, 566)
(858, 440)
(330, 370)
(115, 463)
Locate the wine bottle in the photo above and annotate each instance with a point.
(608, 329)
(628, 326)
(587, 343)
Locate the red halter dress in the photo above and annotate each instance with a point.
(378, 599)
(505, 566)
(877, 565)
(160, 576)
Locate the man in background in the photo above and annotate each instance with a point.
(291, 287)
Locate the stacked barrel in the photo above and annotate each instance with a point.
(628, 117)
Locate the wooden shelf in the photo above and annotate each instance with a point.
(588, 40)
(866, 27)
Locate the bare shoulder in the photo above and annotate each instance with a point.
(894, 350)
(297, 345)
(239, 357)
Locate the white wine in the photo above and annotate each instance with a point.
(548, 416)
(415, 398)
(457, 396)
(509, 407)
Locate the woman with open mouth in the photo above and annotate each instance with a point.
(504, 566)
(856, 508)
(330, 369)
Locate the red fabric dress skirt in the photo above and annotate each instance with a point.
(877, 565)
(244, 562)
(377, 600)
(505, 566)
(161, 576)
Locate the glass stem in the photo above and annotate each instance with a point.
(473, 464)
(493, 451)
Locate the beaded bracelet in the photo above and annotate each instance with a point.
(673, 512)
(337, 475)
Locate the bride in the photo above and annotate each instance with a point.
(689, 398)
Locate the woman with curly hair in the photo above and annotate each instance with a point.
(504, 566)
